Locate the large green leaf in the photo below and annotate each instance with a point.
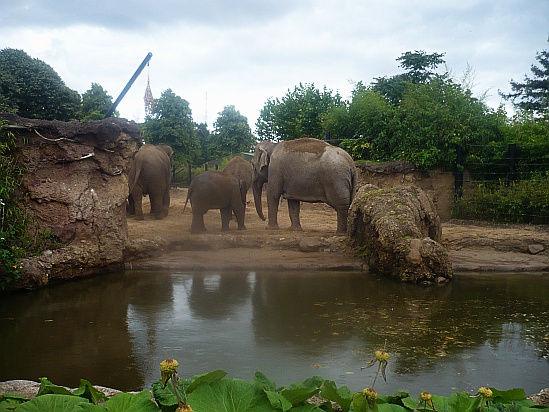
(8, 401)
(127, 402)
(509, 395)
(298, 395)
(342, 396)
(229, 395)
(462, 402)
(264, 382)
(52, 403)
(278, 401)
(206, 378)
(164, 396)
(88, 391)
(46, 387)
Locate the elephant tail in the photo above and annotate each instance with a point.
(136, 178)
(187, 200)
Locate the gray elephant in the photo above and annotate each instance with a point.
(307, 170)
(150, 174)
(242, 170)
(215, 189)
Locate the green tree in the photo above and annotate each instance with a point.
(32, 89)
(232, 134)
(298, 114)
(365, 126)
(95, 103)
(419, 68)
(435, 117)
(171, 123)
(533, 94)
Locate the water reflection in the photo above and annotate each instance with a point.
(115, 329)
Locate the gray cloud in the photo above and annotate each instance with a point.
(139, 14)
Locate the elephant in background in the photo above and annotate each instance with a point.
(150, 174)
(303, 170)
(215, 189)
(242, 170)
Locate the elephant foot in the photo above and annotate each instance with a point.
(295, 228)
(139, 217)
(341, 233)
(272, 227)
(241, 227)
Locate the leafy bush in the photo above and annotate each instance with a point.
(526, 201)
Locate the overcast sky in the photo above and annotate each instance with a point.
(215, 53)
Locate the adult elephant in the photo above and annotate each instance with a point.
(215, 189)
(150, 174)
(303, 170)
(242, 170)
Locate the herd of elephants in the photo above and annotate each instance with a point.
(301, 170)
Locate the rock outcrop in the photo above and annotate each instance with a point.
(76, 187)
(398, 232)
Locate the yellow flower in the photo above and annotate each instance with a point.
(168, 368)
(369, 394)
(382, 356)
(426, 396)
(485, 392)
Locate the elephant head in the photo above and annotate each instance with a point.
(260, 165)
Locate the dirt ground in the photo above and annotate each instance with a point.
(169, 243)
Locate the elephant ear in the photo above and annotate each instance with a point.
(263, 159)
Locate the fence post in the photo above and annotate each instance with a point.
(512, 161)
(458, 172)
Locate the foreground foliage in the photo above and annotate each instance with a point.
(213, 392)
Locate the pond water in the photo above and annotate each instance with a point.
(114, 330)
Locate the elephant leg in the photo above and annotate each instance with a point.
(131, 205)
(197, 225)
(239, 210)
(226, 213)
(342, 215)
(294, 207)
(156, 205)
(166, 202)
(137, 195)
(272, 205)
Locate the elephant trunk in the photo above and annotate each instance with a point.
(257, 187)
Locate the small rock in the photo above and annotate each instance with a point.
(535, 249)
(310, 244)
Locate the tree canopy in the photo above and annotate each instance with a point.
(171, 123)
(31, 88)
(533, 93)
(419, 67)
(298, 114)
(95, 103)
(232, 134)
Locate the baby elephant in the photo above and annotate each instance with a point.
(215, 190)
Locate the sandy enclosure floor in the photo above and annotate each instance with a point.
(471, 246)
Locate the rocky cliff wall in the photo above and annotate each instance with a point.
(76, 187)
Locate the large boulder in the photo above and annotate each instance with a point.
(76, 187)
(398, 232)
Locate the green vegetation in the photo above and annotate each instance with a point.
(213, 392)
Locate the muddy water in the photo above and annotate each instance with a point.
(114, 330)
